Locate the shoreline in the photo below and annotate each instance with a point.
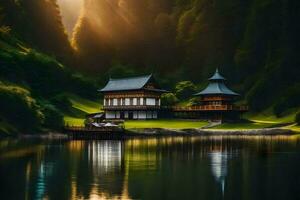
(162, 132)
(207, 132)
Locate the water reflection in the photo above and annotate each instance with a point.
(219, 166)
(105, 155)
(157, 168)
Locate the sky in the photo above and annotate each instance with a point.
(70, 10)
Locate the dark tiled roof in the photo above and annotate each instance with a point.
(125, 84)
(217, 88)
(216, 76)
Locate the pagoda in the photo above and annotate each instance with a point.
(217, 101)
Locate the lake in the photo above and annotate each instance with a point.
(156, 168)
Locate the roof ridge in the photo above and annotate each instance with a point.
(132, 77)
(217, 76)
(218, 86)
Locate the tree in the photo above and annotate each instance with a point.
(19, 108)
(53, 117)
(169, 99)
(297, 118)
(61, 102)
(1, 16)
(185, 89)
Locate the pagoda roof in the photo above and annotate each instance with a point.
(217, 86)
(131, 83)
(217, 76)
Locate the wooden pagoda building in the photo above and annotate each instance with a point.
(132, 98)
(216, 103)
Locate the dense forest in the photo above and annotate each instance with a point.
(255, 44)
(35, 72)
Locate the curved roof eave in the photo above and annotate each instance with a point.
(126, 84)
(217, 88)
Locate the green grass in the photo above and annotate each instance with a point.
(80, 107)
(172, 124)
(73, 121)
(243, 126)
(85, 105)
(294, 127)
(268, 117)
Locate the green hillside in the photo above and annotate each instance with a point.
(33, 87)
(80, 107)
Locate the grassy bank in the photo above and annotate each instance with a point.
(80, 108)
(261, 120)
(267, 116)
(243, 126)
(171, 123)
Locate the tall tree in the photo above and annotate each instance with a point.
(39, 23)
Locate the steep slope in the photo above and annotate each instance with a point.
(32, 88)
(39, 24)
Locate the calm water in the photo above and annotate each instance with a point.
(165, 168)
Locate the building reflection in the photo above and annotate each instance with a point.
(221, 152)
(219, 167)
(105, 156)
(106, 173)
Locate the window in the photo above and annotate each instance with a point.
(131, 101)
(106, 102)
(141, 101)
(127, 101)
(149, 115)
(118, 115)
(138, 101)
(150, 101)
(154, 115)
(115, 102)
(134, 101)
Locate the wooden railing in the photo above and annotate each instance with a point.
(210, 108)
(181, 108)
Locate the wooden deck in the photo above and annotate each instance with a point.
(210, 108)
(104, 133)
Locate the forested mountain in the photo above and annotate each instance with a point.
(38, 23)
(33, 80)
(255, 43)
